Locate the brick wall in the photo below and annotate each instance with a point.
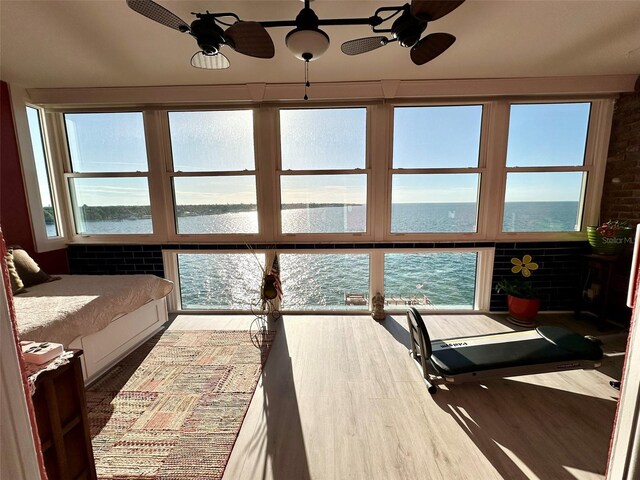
(621, 200)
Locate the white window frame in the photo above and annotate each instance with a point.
(491, 167)
(371, 253)
(42, 242)
(172, 272)
(65, 165)
(596, 147)
(367, 235)
(482, 206)
(482, 298)
(484, 274)
(170, 174)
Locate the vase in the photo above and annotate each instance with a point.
(609, 245)
(523, 309)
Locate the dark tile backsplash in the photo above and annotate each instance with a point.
(115, 259)
(557, 278)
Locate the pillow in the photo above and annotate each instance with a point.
(16, 283)
(28, 270)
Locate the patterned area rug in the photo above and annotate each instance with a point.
(173, 408)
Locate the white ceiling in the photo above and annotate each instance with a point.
(91, 43)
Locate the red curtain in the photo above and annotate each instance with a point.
(25, 387)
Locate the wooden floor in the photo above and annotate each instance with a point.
(340, 398)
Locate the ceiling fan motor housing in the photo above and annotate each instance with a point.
(408, 28)
(208, 34)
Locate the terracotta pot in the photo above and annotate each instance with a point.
(524, 309)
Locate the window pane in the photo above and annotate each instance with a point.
(212, 141)
(543, 202)
(548, 134)
(430, 280)
(111, 205)
(42, 172)
(434, 203)
(324, 203)
(436, 137)
(323, 139)
(216, 204)
(323, 281)
(106, 142)
(220, 281)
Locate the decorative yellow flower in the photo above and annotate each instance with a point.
(525, 265)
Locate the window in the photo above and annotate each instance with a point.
(543, 201)
(434, 203)
(441, 280)
(214, 179)
(544, 135)
(323, 183)
(42, 171)
(546, 173)
(435, 180)
(220, 281)
(108, 182)
(324, 281)
(324, 203)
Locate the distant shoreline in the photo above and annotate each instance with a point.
(137, 212)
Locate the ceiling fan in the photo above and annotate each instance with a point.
(307, 41)
(248, 38)
(410, 22)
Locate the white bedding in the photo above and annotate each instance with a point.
(78, 305)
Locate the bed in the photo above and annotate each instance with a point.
(106, 316)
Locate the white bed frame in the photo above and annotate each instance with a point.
(105, 348)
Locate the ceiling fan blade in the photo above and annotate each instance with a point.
(210, 62)
(431, 10)
(430, 47)
(363, 45)
(158, 13)
(250, 38)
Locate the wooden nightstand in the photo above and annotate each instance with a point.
(61, 416)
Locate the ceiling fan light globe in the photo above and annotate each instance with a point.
(210, 62)
(303, 43)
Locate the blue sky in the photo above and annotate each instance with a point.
(204, 141)
(215, 190)
(542, 186)
(547, 135)
(106, 142)
(325, 139)
(440, 188)
(436, 137)
(442, 137)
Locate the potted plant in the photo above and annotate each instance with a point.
(610, 237)
(522, 297)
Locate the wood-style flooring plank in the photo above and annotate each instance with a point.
(340, 398)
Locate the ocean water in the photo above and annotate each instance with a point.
(320, 281)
